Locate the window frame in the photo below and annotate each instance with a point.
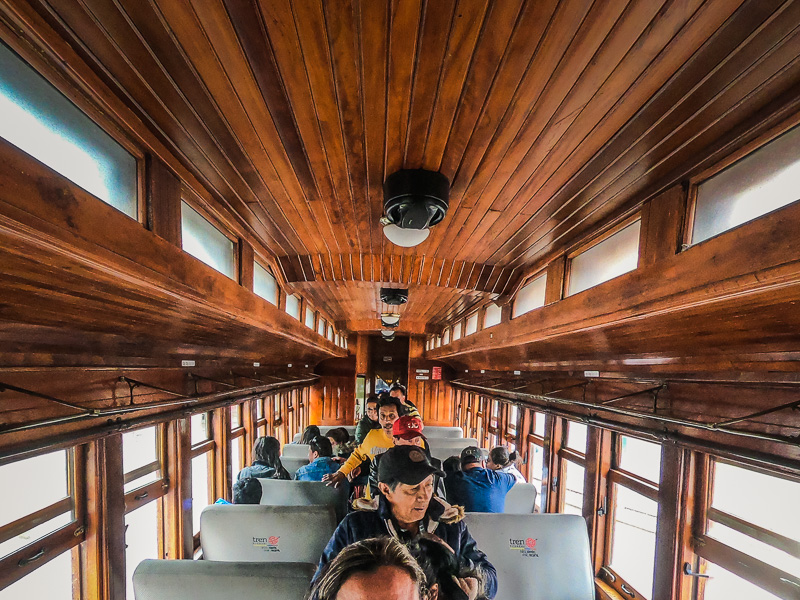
(540, 274)
(258, 263)
(222, 228)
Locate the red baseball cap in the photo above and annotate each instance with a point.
(407, 427)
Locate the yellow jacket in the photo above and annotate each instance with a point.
(376, 442)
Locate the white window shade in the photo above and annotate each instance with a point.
(321, 326)
(265, 285)
(39, 120)
(492, 316)
(293, 306)
(472, 324)
(610, 258)
(530, 296)
(309, 318)
(457, 331)
(764, 181)
(206, 243)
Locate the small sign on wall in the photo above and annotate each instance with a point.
(423, 377)
(436, 373)
(423, 370)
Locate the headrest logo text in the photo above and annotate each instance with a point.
(268, 544)
(526, 546)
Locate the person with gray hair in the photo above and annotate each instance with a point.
(376, 567)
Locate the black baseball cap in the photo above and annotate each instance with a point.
(406, 464)
(471, 454)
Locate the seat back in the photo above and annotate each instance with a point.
(443, 448)
(351, 431)
(537, 557)
(258, 533)
(211, 580)
(277, 492)
(437, 431)
(295, 451)
(521, 499)
(291, 464)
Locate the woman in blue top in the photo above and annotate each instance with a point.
(320, 461)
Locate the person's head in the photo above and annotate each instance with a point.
(376, 567)
(372, 408)
(247, 491)
(319, 446)
(441, 567)
(338, 436)
(498, 458)
(309, 433)
(407, 431)
(389, 410)
(451, 464)
(398, 391)
(472, 457)
(405, 478)
(267, 450)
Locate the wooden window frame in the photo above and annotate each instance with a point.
(193, 201)
(528, 280)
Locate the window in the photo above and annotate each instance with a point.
(237, 440)
(536, 457)
(572, 464)
(472, 324)
(321, 325)
(438, 341)
(529, 297)
(446, 339)
(145, 482)
(264, 284)
(492, 316)
(330, 333)
(615, 255)
(309, 317)
(752, 534)
(632, 499)
(206, 243)
(457, 331)
(764, 181)
(293, 306)
(39, 120)
(202, 468)
(40, 518)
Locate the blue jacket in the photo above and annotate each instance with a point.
(478, 489)
(314, 471)
(365, 524)
(263, 471)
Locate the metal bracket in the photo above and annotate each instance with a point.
(687, 570)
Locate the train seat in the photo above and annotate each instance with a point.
(295, 451)
(537, 557)
(521, 499)
(438, 432)
(279, 492)
(212, 580)
(292, 463)
(443, 448)
(248, 533)
(351, 431)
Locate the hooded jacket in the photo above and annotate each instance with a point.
(440, 519)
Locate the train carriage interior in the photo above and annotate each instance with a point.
(570, 228)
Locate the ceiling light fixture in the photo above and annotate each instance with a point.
(394, 296)
(414, 200)
(388, 334)
(390, 319)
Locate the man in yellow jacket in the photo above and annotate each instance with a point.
(377, 441)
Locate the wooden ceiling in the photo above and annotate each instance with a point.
(549, 118)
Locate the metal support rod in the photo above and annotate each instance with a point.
(196, 377)
(136, 383)
(653, 389)
(569, 387)
(247, 377)
(13, 388)
(760, 413)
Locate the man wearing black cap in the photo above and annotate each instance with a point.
(405, 509)
(475, 487)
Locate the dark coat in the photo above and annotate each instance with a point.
(365, 524)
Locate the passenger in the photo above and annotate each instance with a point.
(452, 464)
(500, 460)
(445, 578)
(309, 433)
(369, 569)
(376, 442)
(406, 508)
(369, 421)
(340, 442)
(319, 459)
(398, 391)
(247, 491)
(479, 489)
(266, 461)
(407, 431)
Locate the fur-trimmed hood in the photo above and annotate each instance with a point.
(438, 510)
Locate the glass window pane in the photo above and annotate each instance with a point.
(236, 456)
(633, 542)
(37, 492)
(201, 429)
(330, 333)
(321, 324)
(536, 458)
(538, 424)
(139, 448)
(206, 243)
(640, 458)
(472, 324)
(201, 496)
(309, 318)
(576, 436)
(457, 331)
(39, 120)
(530, 297)
(293, 306)
(446, 339)
(265, 285)
(492, 316)
(141, 539)
(53, 580)
(259, 408)
(610, 258)
(764, 181)
(38, 532)
(724, 585)
(755, 548)
(236, 415)
(573, 497)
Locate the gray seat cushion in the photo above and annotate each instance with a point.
(521, 499)
(443, 448)
(279, 492)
